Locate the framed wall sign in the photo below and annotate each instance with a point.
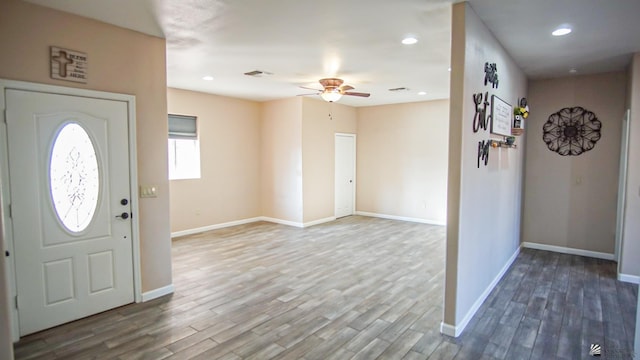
(68, 65)
(501, 116)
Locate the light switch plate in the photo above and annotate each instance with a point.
(148, 191)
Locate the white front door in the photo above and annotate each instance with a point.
(70, 206)
(345, 168)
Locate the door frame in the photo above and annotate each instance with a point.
(622, 187)
(5, 225)
(335, 202)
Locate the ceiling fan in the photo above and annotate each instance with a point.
(333, 89)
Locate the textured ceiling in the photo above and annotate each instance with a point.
(301, 41)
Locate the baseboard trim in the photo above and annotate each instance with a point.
(282, 222)
(629, 278)
(447, 329)
(401, 218)
(456, 330)
(319, 221)
(159, 292)
(214, 227)
(570, 251)
(294, 223)
(248, 221)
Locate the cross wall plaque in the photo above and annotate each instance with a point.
(68, 65)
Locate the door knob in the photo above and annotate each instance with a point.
(124, 202)
(124, 215)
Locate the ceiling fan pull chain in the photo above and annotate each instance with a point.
(330, 111)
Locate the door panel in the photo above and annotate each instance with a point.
(68, 171)
(60, 273)
(345, 159)
(101, 271)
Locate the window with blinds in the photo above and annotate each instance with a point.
(184, 147)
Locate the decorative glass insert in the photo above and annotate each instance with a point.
(74, 177)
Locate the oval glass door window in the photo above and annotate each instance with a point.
(74, 177)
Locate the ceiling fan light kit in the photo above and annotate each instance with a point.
(331, 96)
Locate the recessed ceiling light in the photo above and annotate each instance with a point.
(561, 31)
(208, 78)
(573, 71)
(409, 40)
(422, 93)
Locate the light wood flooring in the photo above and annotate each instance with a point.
(356, 288)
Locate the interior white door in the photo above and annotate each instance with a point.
(70, 206)
(345, 170)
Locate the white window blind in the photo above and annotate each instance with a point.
(183, 127)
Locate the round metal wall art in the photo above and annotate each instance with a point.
(571, 131)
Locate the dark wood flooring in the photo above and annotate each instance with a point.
(356, 288)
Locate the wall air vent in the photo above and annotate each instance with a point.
(399, 89)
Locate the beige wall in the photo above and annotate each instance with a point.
(570, 201)
(259, 159)
(281, 159)
(318, 154)
(282, 153)
(402, 160)
(483, 206)
(120, 61)
(229, 187)
(630, 261)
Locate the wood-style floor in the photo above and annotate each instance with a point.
(356, 288)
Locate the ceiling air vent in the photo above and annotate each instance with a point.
(257, 73)
(399, 89)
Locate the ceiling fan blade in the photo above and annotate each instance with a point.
(346, 88)
(308, 94)
(308, 88)
(357, 94)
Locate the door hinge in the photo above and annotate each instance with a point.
(16, 301)
(10, 212)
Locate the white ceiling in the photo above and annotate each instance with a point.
(301, 41)
(605, 33)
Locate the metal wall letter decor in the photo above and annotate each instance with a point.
(483, 152)
(480, 119)
(491, 74)
(571, 131)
